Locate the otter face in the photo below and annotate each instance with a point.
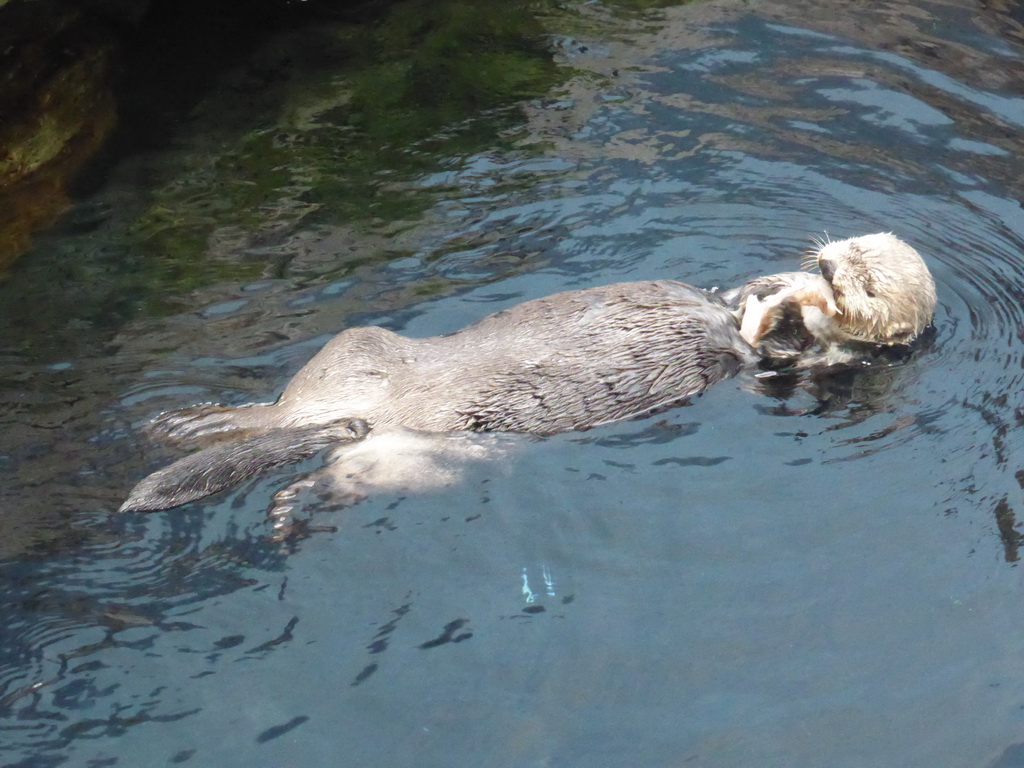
(882, 288)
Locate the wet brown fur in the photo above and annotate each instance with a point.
(565, 362)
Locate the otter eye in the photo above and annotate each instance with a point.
(870, 294)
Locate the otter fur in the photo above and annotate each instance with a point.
(872, 291)
(570, 361)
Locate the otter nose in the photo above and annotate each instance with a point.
(828, 269)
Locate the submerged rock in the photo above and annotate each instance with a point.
(57, 107)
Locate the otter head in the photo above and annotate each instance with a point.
(882, 288)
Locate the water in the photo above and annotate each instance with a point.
(824, 575)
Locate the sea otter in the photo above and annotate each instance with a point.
(570, 361)
(873, 292)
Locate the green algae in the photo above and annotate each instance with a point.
(327, 126)
(352, 114)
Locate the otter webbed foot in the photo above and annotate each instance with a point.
(208, 421)
(225, 464)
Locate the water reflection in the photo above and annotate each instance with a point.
(789, 571)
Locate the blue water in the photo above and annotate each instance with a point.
(819, 576)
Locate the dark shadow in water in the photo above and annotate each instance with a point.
(1006, 523)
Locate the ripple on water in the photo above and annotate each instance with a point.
(63, 618)
(716, 578)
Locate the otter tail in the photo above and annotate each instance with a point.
(225, 464)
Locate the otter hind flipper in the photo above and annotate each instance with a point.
(225, 464)
(208, 420)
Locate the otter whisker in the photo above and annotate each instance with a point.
(809, 261)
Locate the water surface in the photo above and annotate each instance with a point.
(823, 574)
